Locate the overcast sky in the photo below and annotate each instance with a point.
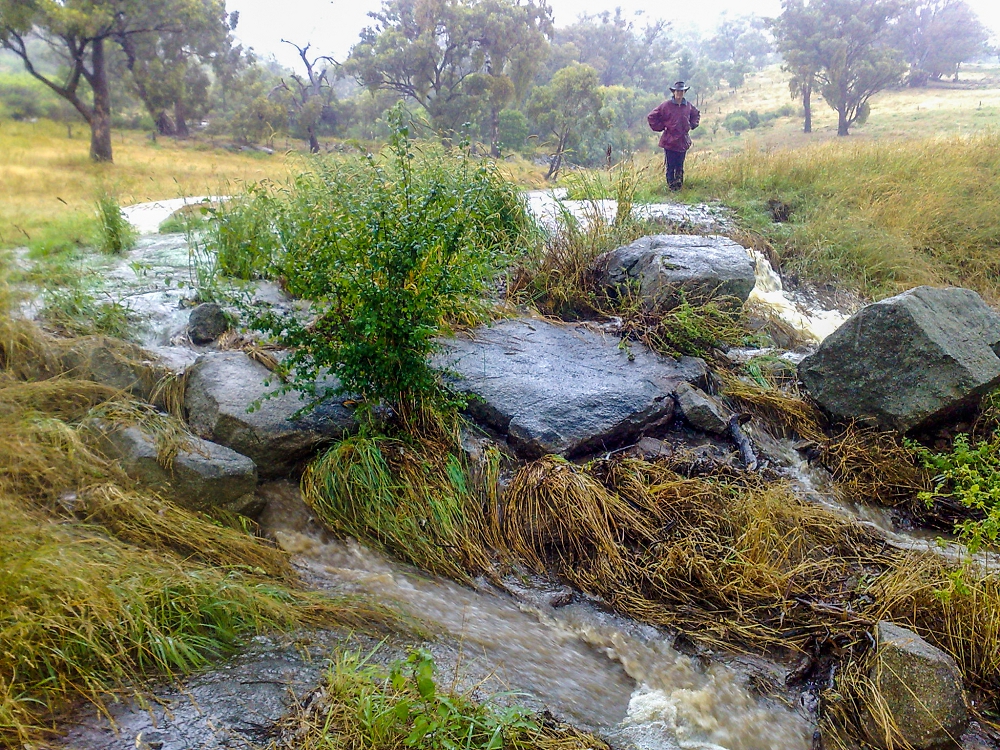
(332, 27)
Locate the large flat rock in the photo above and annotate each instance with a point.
(661, 266)
(221, 389)
(908, 361)
(563, 389)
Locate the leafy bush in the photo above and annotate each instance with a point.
(970, 473)
(513, 130)
(736, 124)
(366, 705)
(387, 248)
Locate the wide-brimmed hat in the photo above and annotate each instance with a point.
(679, 86)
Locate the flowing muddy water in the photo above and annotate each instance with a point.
(589, 667)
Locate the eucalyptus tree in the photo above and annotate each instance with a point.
(566, 109)
(848, 45)
(455, 58)
(937, 36)
(170, 66)
(622, 53)
(80, 32)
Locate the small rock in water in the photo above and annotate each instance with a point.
(701, 410)
(664, 264)
(208, 321)
(909, 361)
(922, 689)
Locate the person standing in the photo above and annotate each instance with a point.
(675, 118)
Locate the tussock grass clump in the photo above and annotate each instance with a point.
(411, 496)
(103, 583)
(878, 217)
(362, 705)
(749, 565)
(689, 327)
(115, 235)
(554, 511)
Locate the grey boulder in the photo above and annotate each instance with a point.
(206, 323)
(703, 412)
(662, 265)
(908, 361)
(201, 475)
(921, 687)
(563, 389)
(222, 386)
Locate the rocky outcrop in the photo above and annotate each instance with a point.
(921, 687)
(206, 323)
(222, 387)
(563, 389)
(662, 265)
(908, 361)
(702, 411)
(200, 475)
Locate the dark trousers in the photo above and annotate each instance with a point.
(675, 168)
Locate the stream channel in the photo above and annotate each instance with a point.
(552, 647)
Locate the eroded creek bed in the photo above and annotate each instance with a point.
(555, 648)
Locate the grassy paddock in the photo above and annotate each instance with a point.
(51, 186)
(872, 217)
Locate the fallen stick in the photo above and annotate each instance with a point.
(736, 434)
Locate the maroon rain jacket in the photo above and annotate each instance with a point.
(674, 121)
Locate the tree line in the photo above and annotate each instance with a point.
(497, 72)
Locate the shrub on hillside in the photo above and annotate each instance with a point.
(387, 248)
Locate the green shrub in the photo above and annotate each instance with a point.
(971, 474)
(388, 248)
(513, 130)
(740, 120)
(364, 705)
(242, 236)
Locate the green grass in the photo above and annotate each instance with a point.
(363, 705)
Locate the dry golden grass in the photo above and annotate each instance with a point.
(50, 186)
(104, 583)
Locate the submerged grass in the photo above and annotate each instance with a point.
(413, 497)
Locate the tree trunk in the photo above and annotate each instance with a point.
(165, 124)
(100, 123)
(313, 141)
(807, 106)
(842, 121)
(180, 120)
(495, 134)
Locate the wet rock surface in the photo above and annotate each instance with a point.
(664, 264)
(563, 389)
(206, 323)
(201, 474)
(908, 361)
(922, 688)
(703, 412)
(222, 387)
(234, 706)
